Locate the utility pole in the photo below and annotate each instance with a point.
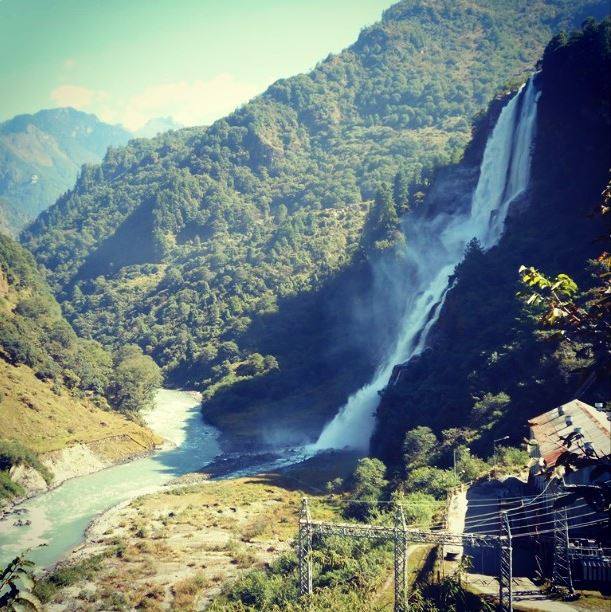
(400, 540)
(561, 574)
(505, 562)
(304, 549)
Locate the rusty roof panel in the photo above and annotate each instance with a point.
(552, 433)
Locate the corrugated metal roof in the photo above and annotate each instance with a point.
(551, 431)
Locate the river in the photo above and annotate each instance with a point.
(59, 517)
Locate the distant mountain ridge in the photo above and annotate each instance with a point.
(40, 157)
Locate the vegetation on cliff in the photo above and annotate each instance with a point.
(34, 333)
(190, 245)
(490, 367)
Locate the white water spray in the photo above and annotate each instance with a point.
(435, 247)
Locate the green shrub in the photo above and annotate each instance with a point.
(468, 466)
(431, 480)
(13, 453)
(251, 589)
(419, 509)
(510, 457)
(67, 575)
(368, 484)
(8, 488)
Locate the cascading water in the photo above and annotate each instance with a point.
(436, 247)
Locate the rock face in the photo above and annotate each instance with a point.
(484, 345)
(28, 478)
(76, 460)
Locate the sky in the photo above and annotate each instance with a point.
(129, 61)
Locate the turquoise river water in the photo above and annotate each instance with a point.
(60, 516)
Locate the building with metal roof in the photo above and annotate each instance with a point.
(572, 440)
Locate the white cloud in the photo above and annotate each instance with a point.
(77, 96)
(188, 103)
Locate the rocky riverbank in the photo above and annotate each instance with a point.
(176, 547)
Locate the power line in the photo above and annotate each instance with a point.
(570, 518)
(540, 512)
(525, 509)
(374, 502)
(516, 497)
(547, 486)
(537, 532)
(588, 524)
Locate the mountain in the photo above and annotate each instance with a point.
(56, 389)
(232, 254)
(40, 156)
(490, 366)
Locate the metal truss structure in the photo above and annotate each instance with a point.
(561, 574)
(506, 565)
(401, 536)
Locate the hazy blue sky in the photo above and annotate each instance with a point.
(131, 60)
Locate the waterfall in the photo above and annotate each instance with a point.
(435, 247)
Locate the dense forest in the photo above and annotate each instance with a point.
(491, 365)
(40, 156)
(34, 333)
(213, 249)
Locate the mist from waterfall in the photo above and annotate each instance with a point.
(434, 248)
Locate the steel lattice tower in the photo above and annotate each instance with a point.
(505, 570)
(304, 549)
(400, 541)
(399, 534)
(561, 574)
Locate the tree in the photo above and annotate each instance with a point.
(401, 193)
(368, 484)
(281, 214)
(37, 307)
(431, 480)
(468, 466)
(136, 378)
(583, 319)
(16, 584)
(419, 446)
(489, 409)
(382, 229)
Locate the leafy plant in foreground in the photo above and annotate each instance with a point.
(16, 584)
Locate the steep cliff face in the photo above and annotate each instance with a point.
(484, 343)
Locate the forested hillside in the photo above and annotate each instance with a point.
(224, 251)
(40, 156)
(34, 333)
(56, 389)
(491, 366)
